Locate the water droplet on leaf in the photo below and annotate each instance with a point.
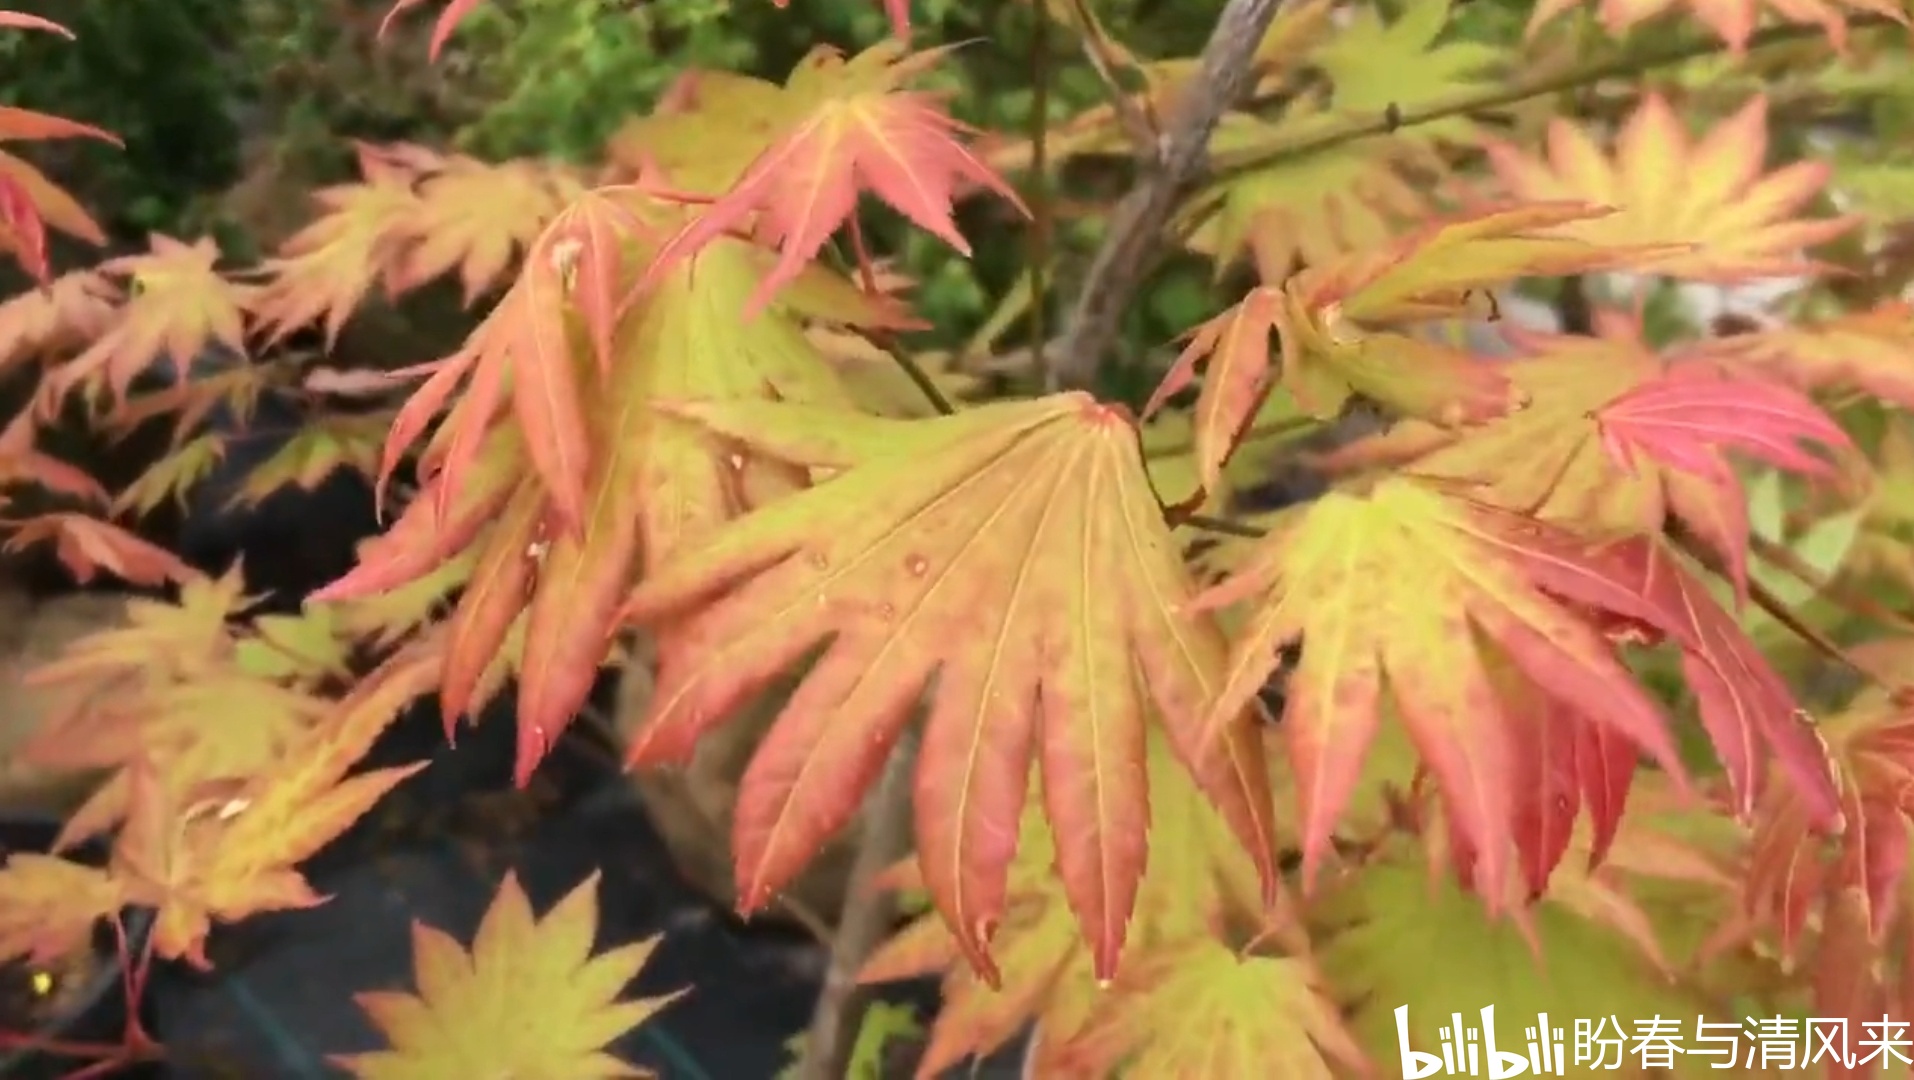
(917, 565)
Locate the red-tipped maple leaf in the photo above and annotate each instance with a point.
(29, 202)
(1338, 323)
(1025, 566)
(1690, 418)
(851, 126)
(647, 484)
(1725, 220)
(1550, 458)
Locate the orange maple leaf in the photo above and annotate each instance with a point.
(851, 127)
(468, 1016)
(1019, 624)
(1733, 21)
(179, 304)
(86, 546)
(1338, 324)
(67, 313)
(1723, 219)
(646, 483)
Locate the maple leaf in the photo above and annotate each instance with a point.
(1076, 576)
(706, 130)
(223, 726)
(228, 851)
(851, 126)
(178, 305)
(183, 639)
(1552, 459)
(318, 449)
(24, 464)
(49, 906)
(1688, 419)
(1733, 21)
(172, 477)
(1388, 936)
(323, 272)
(1310, 209)
(648, 485)
(1862, 351)
(1487, 583)
(1201, 1009)
(66, 313)
(1727, 220)
(1198, 881)
(86, 546)
(1376, 65)
(468, 1016)
(29, 202)
(1334, 320)
(473, 216)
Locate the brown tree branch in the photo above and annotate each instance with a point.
(866, 917)
(1134, 241)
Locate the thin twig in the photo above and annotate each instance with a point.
(1136, 115)
(1134, 241)
(866, 917)
(1655, 53)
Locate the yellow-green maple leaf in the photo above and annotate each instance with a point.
(530, 1000)
(1201, 1009)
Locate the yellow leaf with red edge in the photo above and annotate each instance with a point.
(1722, 216)
(183, 638)
(49, 906)
(705, 131)
(469, 1015)
(1198, 882)
(1733, 21)
(178, 305)
(323, 272)
(1553, 459)
(1338, 325)
(227, 851)
(1413, 596)
(850, 127)
(1202, 1009)
(224, 726)
(1015, 554)
(474, 217)
(1864, 351)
